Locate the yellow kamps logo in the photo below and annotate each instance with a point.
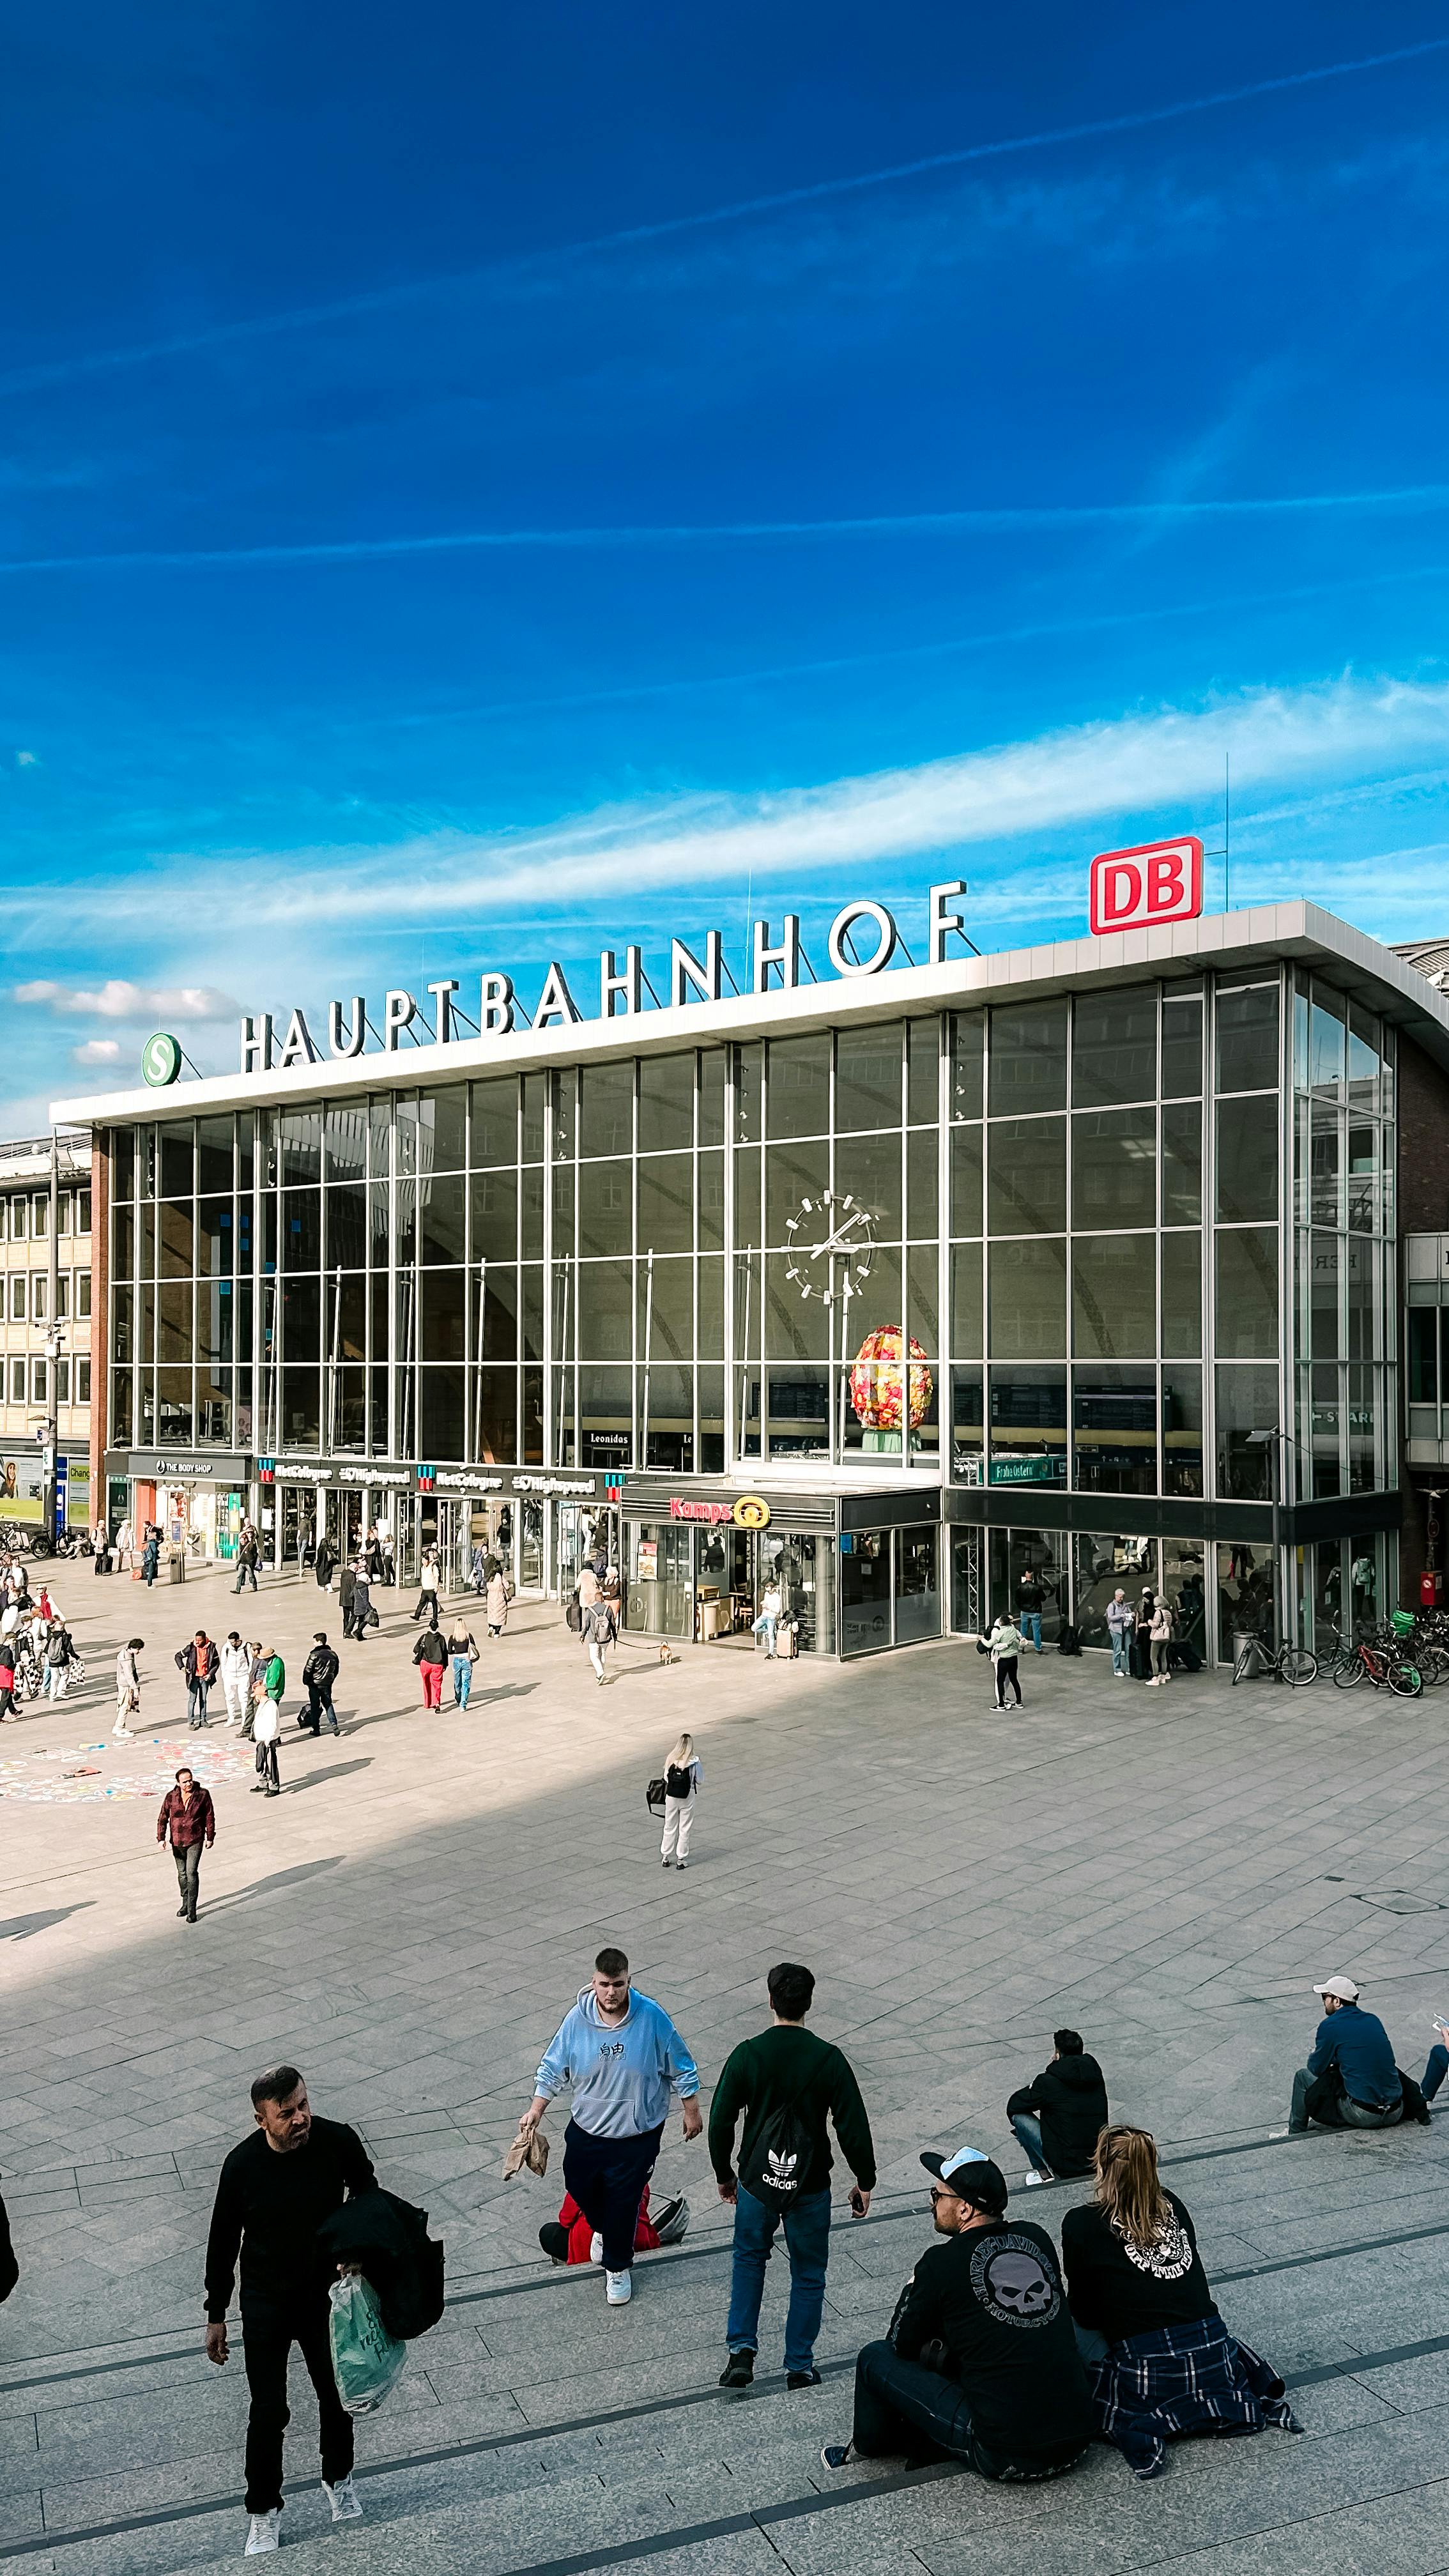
(751, 1512)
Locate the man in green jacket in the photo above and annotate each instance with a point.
(786, 2082)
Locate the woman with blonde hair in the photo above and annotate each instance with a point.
(682, 1775)
(1165, 2364)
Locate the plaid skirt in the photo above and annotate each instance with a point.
(1157, 2388)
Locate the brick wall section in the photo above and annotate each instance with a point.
(100, 1322)
(1423, 1181)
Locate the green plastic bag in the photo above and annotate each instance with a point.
(366, 2359)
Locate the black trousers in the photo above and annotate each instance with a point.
(268, 2336)
(319, 1705)
(905, 2411)
(606, 2176)
(188, 1871)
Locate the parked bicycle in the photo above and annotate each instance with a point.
(1257, 1659)
(1381, 1665)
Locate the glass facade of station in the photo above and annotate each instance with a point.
(1086, 1246)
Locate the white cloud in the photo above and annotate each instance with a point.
(27, 760)
(97, 1051)
(118, 1000)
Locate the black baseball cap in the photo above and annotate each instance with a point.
(972, 2176)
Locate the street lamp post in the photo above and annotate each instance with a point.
(54, 1341)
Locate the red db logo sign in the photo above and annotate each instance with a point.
(1132, 889)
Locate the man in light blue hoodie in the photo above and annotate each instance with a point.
(622, 2056)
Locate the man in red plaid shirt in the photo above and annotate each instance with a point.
(188, 1819)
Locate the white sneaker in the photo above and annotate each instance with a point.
(265, 2533)
(618, 2288)
(344, 2499)
(1030, 2181)
(596, 2248)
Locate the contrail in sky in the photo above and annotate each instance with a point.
(377, 299)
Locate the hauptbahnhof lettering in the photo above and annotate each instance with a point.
(1037, 1264)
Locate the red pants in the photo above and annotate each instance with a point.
(432, 1684)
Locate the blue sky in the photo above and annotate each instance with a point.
(480, 483)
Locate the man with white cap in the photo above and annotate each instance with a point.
(980, 2361)
(1350, 2081)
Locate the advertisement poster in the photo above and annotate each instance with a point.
(22, 1486)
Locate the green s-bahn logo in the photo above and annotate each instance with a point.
(161, 1060)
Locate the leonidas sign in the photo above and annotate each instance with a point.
(1134, 889)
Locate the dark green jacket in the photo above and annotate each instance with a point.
(791, 2066)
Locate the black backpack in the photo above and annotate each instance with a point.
(678, 1780)
(1069, 1642)
(573, 1615)
(779, 2156)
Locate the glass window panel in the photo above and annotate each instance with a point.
(923, 1184)
(565, 1112)
(1182, 1458)
(532, 1135)
(1363, 1164)
(1247, 1161)
(799, 1402)
(1182, 1163)
(1181, 1045)
(215, 1239)
(747, 1199)
(1323, 1329)
(495, 1215)
(494, 1131)
(666, 1103)
(1363, 1059)
(711, 1202)
(796, 1326)
(666, 1203)
(923, 1071)
(246, 1159)
(799, 1086)
(968, 1039)
(1324, 1432)
(531, 1310)
(1027, 1183)
(214, 1157)
(124, 1232)
(441, 1424)
(1325, 1197)
(966, 1180)
(868, 1068)
(868, 1170)
(711, 1421)
(302, 1230)
(122, 1416)
(562, 1184)
(444, 1216)
(796, 1181)
(123, 1324)
(1029, 1299)
(1114, 1430)
(178, 1240)
(1361, 1261)
(1114, 1167)
(123, 1163)
(1114, 1296)
(711, 1310)
(379, 1135)
(1247, 1294)
(443, 1129)
(607, 1124)
(301, 1146)
(749, 1094)
(606, 1416)
(1247, 1025)
(1114, 1048)
(966, 1302)
(1326, 1040)
(530, 1212)
(444, 1295)
(344, 1140)
(669, 1432)
(499, 1329)
(1423, 1354)
(347, 1316)
(1028, 1424)
(178, 1162)
(1028, 1058)
(712, 1096)
(406, 1122)
(1247, 1401)
(302, 1319)
(1364, 1575)
(174, 1321)
(924, 1297)
(345, 1209)
(173, 1407)
(1361, 1427)
(666, 1310)
(148, 1241)
(1181, 1295)
(968, 1417)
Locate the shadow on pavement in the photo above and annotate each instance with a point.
(270, 1886)
(334, 1771)
(21, 1926)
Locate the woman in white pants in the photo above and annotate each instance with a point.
(682, 1775)
(128, 1687)
(236, 1673)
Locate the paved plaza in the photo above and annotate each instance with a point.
(1170, 1871)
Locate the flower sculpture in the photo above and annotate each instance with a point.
(877, 1388)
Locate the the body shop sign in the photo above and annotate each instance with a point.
(1136, 889)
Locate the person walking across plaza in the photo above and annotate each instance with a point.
(363, 1613)
(786, 2082)
(187, 1820)
(1060, 2115)
(346, 1590)
(463, 1654)
(979, 2363)
(1029, 1599)
(128, 1687)
(275, 2192)
(499, 1594)
(323, 1562)
(236, 1664)
(266, 1727)
(621, 2056)
(1351, 2080)
(7, 1679)
(60, 1655)
(1119, 1630)
(683, 1772)
(201, 1664)
(1164, 2364)
(319, 1673)
(151, 1559)
(1004, 1647)
(248, 1557)
(430, 1654)
(426, 1606)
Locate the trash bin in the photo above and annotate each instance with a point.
(177, 1569)
(1246, 1658)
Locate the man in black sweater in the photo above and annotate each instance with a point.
(980, 2362)
(785, 2081)
(1059, 2117)
(274, 2193)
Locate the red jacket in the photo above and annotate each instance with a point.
(581, 2233)
(189, 1824)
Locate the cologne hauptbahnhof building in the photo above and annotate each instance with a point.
(1082, 1262)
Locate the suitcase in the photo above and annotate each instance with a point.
(789, 1639)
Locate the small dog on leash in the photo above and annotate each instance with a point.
(667, 1655)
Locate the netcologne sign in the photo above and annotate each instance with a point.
(862, 940)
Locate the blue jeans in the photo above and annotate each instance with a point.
(766, 1628)
(1031, 1628)
(1435, 2071)
(905, 2410)
(807, 2242)
(1028, 2135)
(196, 1698)
(1121, 1650)
(462, 1679)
